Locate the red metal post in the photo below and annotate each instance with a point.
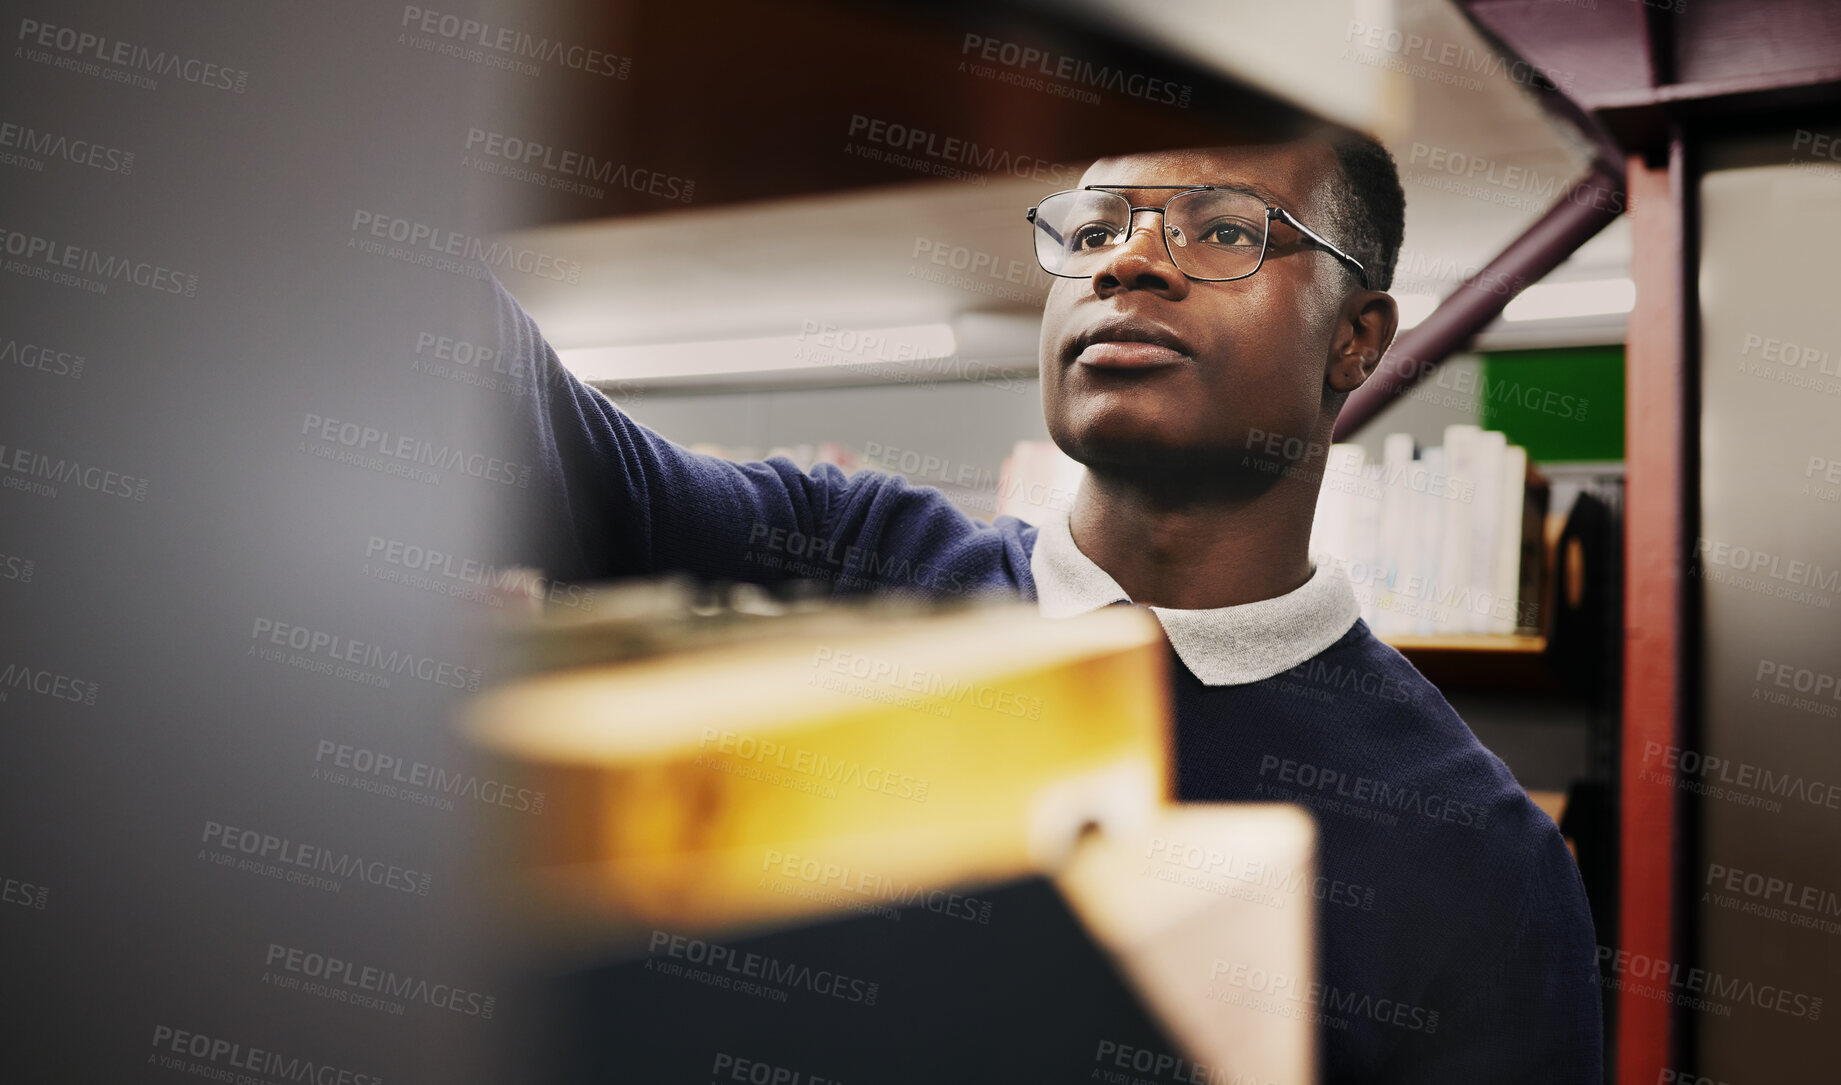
(1656, 431)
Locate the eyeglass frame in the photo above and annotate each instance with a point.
(1272, 211)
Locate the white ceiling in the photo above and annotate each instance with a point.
(855, 259)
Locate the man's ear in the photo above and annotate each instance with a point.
(1364, 330)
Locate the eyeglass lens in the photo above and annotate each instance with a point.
(1211, 233)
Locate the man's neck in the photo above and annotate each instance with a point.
(1200, 555)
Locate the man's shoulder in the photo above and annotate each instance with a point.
(1408, 704)
(1369, 682)
(1473, 890)
(1428, 767)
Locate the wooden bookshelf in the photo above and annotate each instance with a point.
(1411, 645)
(1481, 662)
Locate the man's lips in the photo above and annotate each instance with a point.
(1128, 355)
(1129, 343)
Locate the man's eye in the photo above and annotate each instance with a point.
(1092, 236)
(1228, 233)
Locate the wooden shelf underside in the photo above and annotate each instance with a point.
(1482, 662)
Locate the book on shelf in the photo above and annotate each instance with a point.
(1436, 541)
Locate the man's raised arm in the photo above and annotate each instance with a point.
(610, 498)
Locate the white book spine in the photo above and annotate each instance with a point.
(1453, 574)
(1397, 512)
(1506, 617)
(1479, 595)
(1364, 530)
(1332, 532)
(1429, 502)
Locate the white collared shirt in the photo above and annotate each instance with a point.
(1226, 646)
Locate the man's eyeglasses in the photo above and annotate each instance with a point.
(1213, 234)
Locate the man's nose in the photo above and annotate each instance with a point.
(1141, 261)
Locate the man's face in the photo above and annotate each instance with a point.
(1232, 360)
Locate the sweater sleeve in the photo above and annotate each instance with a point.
(610, 498)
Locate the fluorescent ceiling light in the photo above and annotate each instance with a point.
(817, 346)
(1414, 308)
(1557, 301)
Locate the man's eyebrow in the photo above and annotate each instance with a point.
(1253, 187)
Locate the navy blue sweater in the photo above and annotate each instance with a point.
(1456, 941)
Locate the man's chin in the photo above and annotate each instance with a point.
(1120, 428)
(1175, 467)
(1131, 450)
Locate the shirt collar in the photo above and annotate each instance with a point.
(1226, 646)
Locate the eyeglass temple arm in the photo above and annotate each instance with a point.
(1045, 227)
(1360, 271)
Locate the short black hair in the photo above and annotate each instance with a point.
(1367, 216)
